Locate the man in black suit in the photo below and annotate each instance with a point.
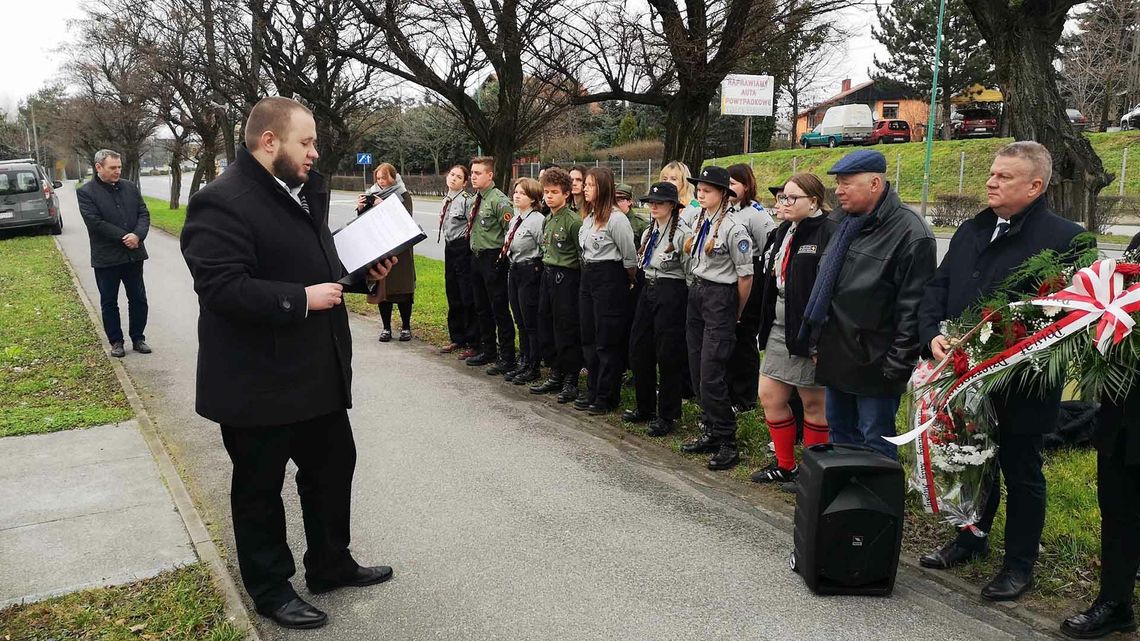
(117, 223)
(274, 357)
(983, 252)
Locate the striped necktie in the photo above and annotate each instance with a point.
(304, 203)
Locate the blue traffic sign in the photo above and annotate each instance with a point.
(363, 158)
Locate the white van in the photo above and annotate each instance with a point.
(853, 122)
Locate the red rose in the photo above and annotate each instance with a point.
(1051, 285)
(1128, 269)
(991, 315)
(961, 362)
(971, 427)
(1016, 332)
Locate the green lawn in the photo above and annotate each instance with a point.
(54, 374)
(180, 605)
(1068, 566)
(773, 167)
(165, 218)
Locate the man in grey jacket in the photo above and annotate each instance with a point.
(117, 223)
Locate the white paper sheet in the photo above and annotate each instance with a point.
(385, 230)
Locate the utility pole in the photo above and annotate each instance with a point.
(933, 105)
(35, 134)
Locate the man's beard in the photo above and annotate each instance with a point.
(289, 172)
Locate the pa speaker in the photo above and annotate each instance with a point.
(849, 519)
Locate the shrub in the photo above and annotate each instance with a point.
(1113, 210)
(951, 210)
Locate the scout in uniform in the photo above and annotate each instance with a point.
(720, 254)
(522, 249)
(609, 265)
(462, 325)
(491, 215)
(558, 290)
(639, 222)
(744, 366)
(657, 342)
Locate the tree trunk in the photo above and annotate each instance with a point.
(686, 126)
(502, 148)
(175, 173)
(196, 181)
(795, 115)
(1023, 43)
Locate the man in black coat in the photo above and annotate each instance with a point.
(983, 252)
(117, 222)
(274, 357)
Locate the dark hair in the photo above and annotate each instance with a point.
(582, 170)
(604, 199)
(742, 174)
(531, 188)
(487, 161)
(271, 113)
(462, 169)
(813, 187)
(557, 177)
(549, 165)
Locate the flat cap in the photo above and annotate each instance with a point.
(860, 162)
(624, 189)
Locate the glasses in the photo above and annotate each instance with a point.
(784, 199)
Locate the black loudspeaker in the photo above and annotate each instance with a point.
(849, 520)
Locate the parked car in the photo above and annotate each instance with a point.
(974, 123)
(841, 125)
(888, 131)
(1077, 119)
(1131, 120)
(27, 196)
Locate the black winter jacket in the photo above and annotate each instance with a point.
(252, 250)
(972, 269)
(869, 344)
(110, 212)
(807, 247)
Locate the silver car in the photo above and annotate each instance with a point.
(27, 196)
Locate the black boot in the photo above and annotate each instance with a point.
(521, 367)
(636, 416)
(528, 375)
(725, 457)
(569, 392)
(482, 358)
(703, 444)
(502, 366)
(550, 385)
(1102, 619)
(661, 427)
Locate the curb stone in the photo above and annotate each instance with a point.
(200, 538)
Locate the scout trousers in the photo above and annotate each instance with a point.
(656, 347)
(523, 292)
(604, 308)
(462, 324)
(711, 337)
(492, 304)
(744, 366)
(559, 335)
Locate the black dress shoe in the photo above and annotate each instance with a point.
(482, 358)
(583, 403)
(519, 368)
(661, 427)
(117, 350)
(951, 555)
(500, 367)
(1102, 619)
(635, 416)
(597, 409)
(141, 347)
(550, 385)
(297, 614)
(361, 577)
(1007, 585)
(569, 392)
(703, 444)
(726, 457)
(528, 375)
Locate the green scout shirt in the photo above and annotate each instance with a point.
(560, 239)
(639, 222)
(489, 229)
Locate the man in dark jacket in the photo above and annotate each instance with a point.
(274, 357)
(117, 222)
(863, 311)
(983, 252)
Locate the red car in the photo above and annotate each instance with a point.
(888, 131)
(971, 123)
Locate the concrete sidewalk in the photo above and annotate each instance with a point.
(82, 509)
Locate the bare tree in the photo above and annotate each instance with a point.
(1023, 37)
(810, 59)
(1095, 61)
(431, 128)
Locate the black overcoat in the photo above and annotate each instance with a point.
(972, 269)
(252, 250)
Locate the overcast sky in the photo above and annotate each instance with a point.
(33, 30)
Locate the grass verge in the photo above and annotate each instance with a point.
(53, 373)
(165, 218)
(180, 605)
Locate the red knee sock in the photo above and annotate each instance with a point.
(814, 434)
(783, 434)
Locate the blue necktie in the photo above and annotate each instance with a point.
(649, 248)
(701, 236)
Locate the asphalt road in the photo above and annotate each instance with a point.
(511, 518)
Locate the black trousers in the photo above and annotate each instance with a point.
(744, 366)
(1019, 461)
(634, 297)
(711, 337)
(523, 290)
(325, 455)
(492, 304)
(107, 279)
(462, 324)
(1118, 493)
(657, 347)
(559, 335)
(604, 308)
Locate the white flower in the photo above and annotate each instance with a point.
(1051, 310)
(986, 332)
